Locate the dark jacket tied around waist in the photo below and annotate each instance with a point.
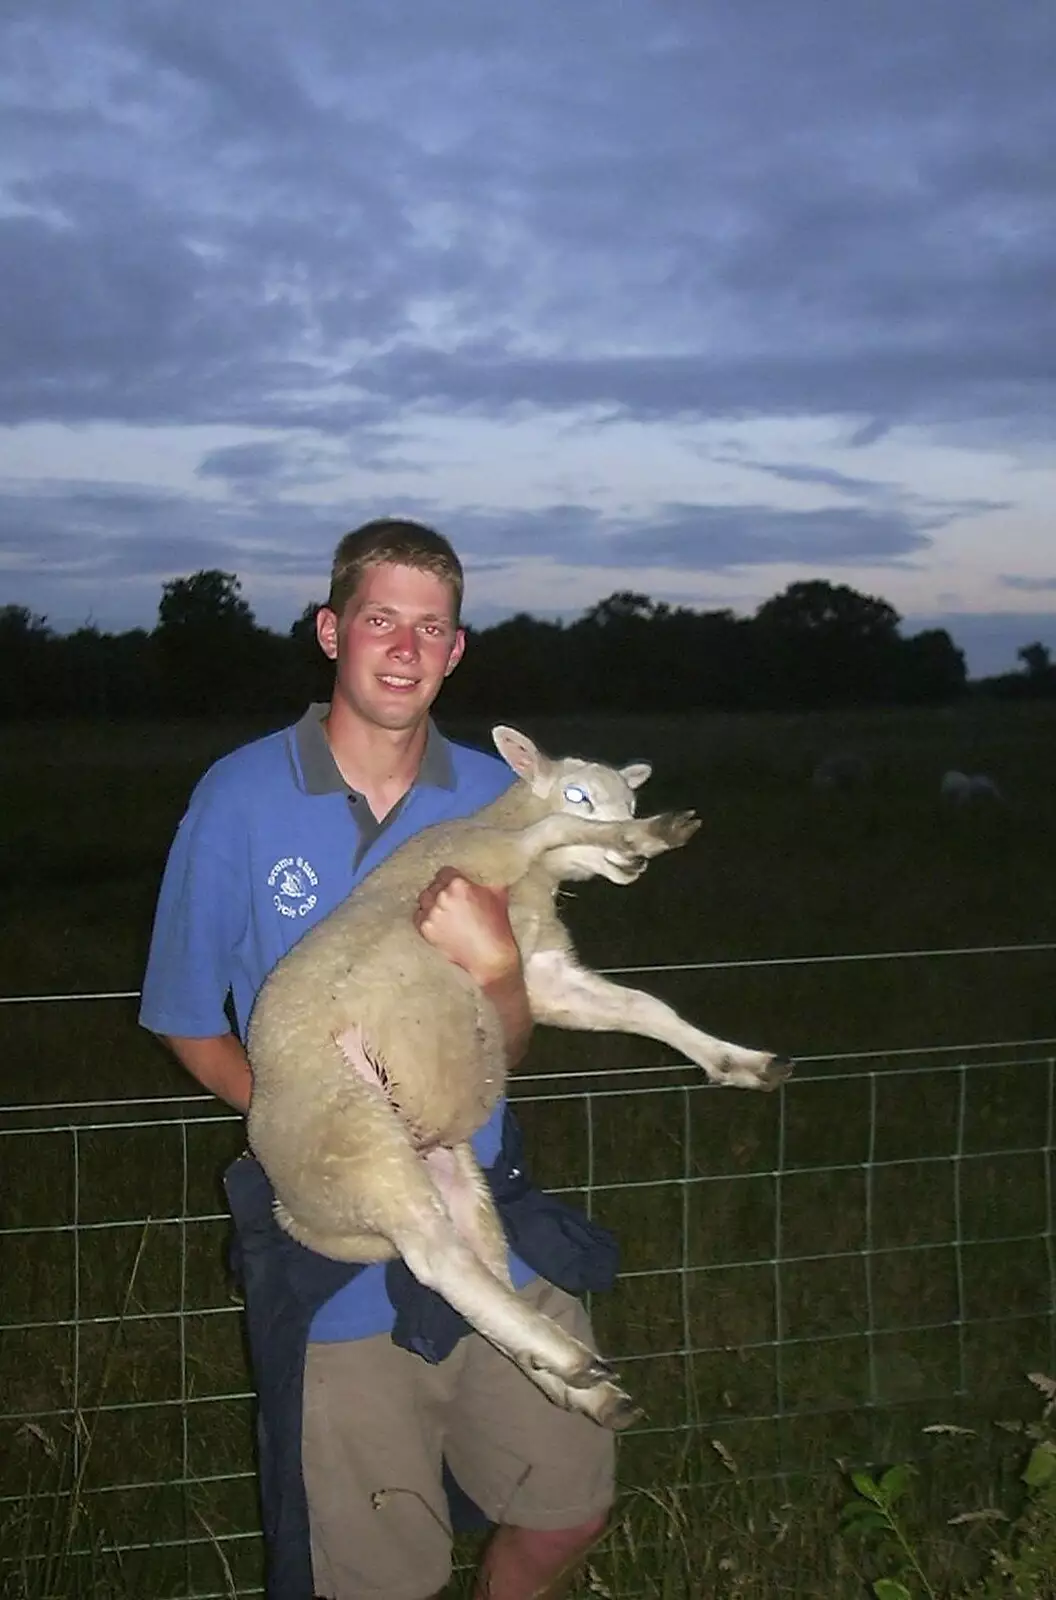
(284, 1285)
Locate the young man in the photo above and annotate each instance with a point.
(356, 1431)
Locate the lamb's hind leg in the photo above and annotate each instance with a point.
(397, 1199)
(464, 1191)
(567, 1371)
(467, 1199)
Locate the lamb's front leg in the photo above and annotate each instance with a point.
(498, 857)
(566, 995)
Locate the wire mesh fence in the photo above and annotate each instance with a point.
(811, 1274)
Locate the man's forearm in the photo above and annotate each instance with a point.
(220, 1064)
(510, 998)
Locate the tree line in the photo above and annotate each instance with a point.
(815, 645)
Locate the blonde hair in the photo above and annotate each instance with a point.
(396, 542)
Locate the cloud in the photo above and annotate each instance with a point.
(870, 432)
(120, 530)
(952, 381)
(1028, 585)
(221, 215)
(704, 538)
(260, 461)
(825, 477)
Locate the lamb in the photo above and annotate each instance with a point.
(375, 1058)
(964, 787)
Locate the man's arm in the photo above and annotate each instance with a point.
(220, 1065)
(470, 925)
(203, 905)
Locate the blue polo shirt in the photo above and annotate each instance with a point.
(273, 839)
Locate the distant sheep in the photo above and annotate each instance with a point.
(375, 1058)
(964, 788)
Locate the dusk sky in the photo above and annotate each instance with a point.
(691, 297)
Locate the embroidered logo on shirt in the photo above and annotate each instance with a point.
(292, 882)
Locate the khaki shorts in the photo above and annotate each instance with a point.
(377, 1423)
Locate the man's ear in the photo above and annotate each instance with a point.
(326, 628)
(457, 651)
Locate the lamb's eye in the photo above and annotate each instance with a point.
(578, 797)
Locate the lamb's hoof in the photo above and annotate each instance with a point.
(776, 1072)
(619, 1412)
(629, 865)
(679, 827)
(588, 1377)
(750, 1069)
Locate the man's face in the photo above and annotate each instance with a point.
(394, 644)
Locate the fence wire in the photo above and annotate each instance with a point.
(815, 1273)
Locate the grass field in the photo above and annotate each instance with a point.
(810, 1277)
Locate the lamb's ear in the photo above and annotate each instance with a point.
(518, 751)
(636, 774)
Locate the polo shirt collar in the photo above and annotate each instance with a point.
(319, 773)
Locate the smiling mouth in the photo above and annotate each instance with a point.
(390, 681)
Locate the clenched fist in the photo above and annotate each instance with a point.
(470, 925)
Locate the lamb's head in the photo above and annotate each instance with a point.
(593, 790)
